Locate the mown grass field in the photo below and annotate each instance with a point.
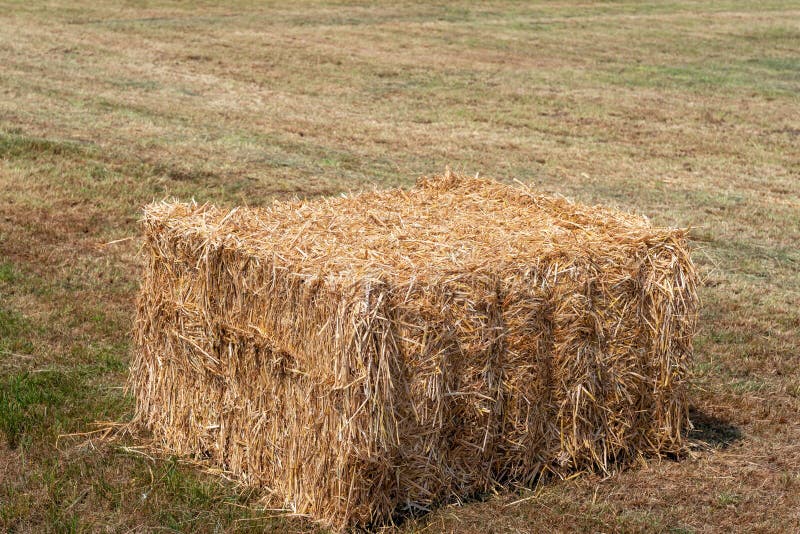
(688, 112)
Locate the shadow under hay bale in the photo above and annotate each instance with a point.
(391, 350)
(711, 431)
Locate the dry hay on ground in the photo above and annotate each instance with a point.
(365, 355)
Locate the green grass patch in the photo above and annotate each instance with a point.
(31, 401)
(763, 75)
(15, 334)
(727, 498)
(8, 275)
(24, 146)
(44, 403)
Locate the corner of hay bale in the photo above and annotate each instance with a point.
(386, 351)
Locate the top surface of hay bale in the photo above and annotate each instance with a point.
(443, 226)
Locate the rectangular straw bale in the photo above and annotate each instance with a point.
(379, 353)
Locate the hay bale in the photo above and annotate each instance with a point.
(382, 352)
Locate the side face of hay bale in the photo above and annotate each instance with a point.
(240, 370)
(387, 351)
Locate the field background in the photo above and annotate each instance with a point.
(687, 112)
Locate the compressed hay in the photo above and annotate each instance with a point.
(379, 353)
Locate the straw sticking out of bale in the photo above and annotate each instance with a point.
(365, 355)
